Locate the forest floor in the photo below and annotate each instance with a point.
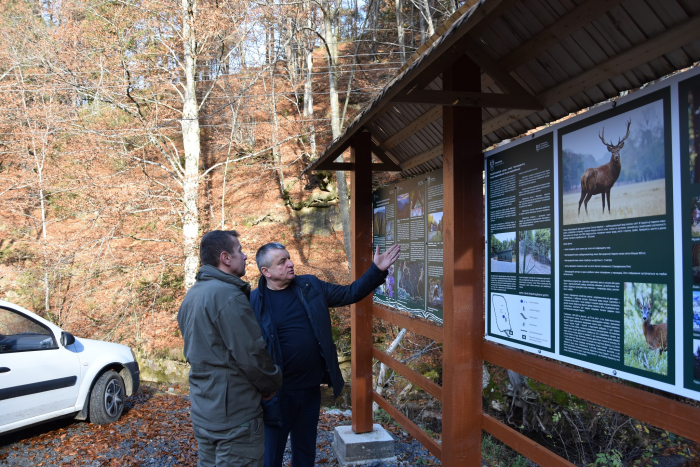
(155, 429)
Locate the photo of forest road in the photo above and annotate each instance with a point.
(646, 328)
(535, 251)
(435, 227)
(410, 280)
(502, 254)
(615, 169)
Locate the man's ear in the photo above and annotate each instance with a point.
(265, 272)
(224, 259)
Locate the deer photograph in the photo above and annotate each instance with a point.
(600, 180)
(696, 359)
(646, 338)
(621, 159)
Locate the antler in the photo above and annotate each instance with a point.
(610, 145)
(629, 122)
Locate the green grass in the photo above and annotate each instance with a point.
(499, 454)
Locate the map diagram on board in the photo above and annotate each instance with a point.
(500, 310)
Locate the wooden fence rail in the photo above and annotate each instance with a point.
(662, 412)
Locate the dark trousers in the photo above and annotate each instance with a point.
(300, 412)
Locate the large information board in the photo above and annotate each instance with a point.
(593, 239)
(410, 214)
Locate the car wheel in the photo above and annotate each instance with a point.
(107, 399)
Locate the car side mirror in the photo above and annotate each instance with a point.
(67, 338)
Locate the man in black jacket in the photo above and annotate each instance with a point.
(230, 370)
(293, 315)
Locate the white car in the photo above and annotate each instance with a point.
(47, 373)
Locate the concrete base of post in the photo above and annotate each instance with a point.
(366, 448)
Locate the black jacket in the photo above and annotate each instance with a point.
(316, 296)
(229, 366)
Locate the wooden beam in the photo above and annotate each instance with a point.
(667, 414)
(416, 325)
(416, 125)
(385, 168)
(317, 165)
(429, 443)
(554, 33)
(470, 99)
(389, 163)
(330, 165)
(521, 443)
(422, 157)
(463, 272)
(481, 56)
(668, 41)
(361, 312)
(411, 375)
(453, 47)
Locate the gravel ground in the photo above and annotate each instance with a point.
(155, 430)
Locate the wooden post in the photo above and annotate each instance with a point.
(463, 320)
(362, 257)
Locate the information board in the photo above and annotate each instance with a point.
(593, 239)
(410, 214)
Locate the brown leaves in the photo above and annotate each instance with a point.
(155, 427)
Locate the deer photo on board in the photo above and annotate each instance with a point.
(623, 155)
(599, 180)
(656, 335)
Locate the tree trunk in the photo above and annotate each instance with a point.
(400, 30)
(309, 100)
(191, 145)
(330, 22)
(428, 18)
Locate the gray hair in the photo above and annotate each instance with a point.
(262, 257)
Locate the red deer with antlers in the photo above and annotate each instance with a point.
(600, 180)
(656, 335)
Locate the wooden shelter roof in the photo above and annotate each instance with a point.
(541, 60)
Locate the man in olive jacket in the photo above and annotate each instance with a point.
(230, 370)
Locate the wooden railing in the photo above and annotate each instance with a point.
(674, 416)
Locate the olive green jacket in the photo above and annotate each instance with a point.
(229, 366)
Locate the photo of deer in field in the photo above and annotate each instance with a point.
(646, 329)
(615, 168)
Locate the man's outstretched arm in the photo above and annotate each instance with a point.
(340, 295)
